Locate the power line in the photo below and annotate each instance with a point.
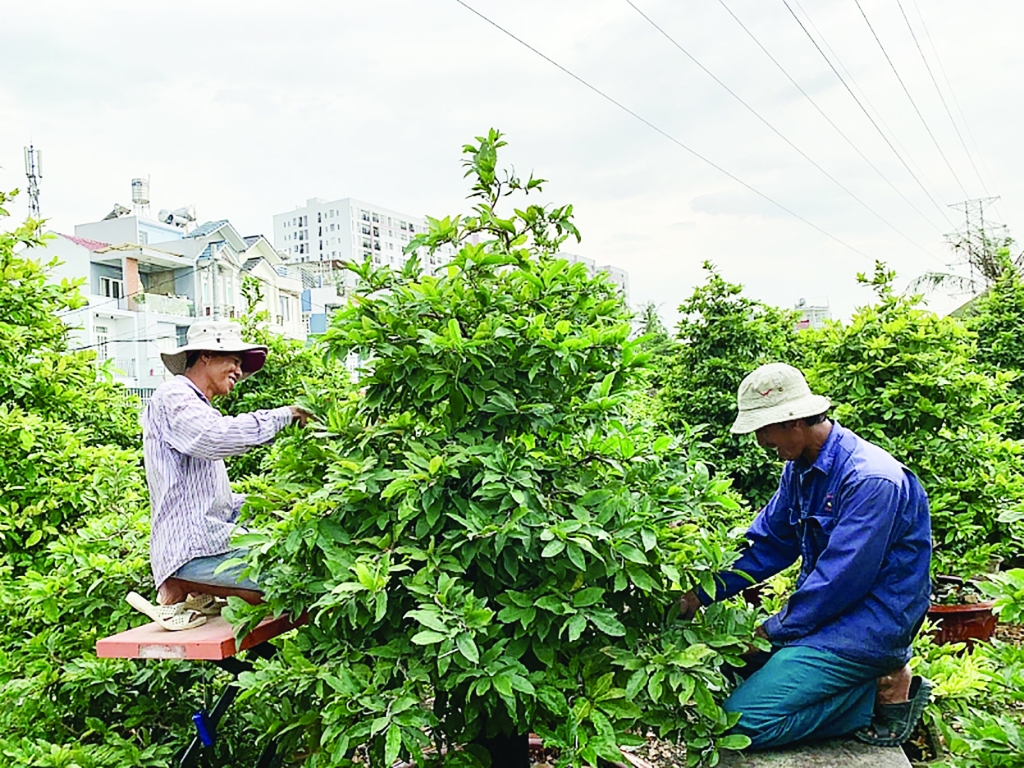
(910, 98)
(827, 118)
(941, 97)
(863, 94)
(949, 85)
(778, 133)
(663, 133)
(866, 113)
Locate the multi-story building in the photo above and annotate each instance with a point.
(812, 315)
(318, 238)
(146, 282)
(615, 275)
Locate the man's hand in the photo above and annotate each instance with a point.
(760, 632)
(299, 416)
(689, 604)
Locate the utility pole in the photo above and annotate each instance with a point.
(34, 172)
(978, 242)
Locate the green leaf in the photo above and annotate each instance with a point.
(576, 555)
(587, 597)
(649, 538)
(427, 637)
(733, 741)
(553, 548)
(467, 647)
(607, 623)
(575, 626)
(705, 701)
(392, 744)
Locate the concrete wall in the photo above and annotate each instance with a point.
(74, 259)
(114, 231)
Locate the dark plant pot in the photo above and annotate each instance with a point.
(963, 623)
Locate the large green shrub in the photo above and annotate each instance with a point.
(483, 545)
(907, 380)
(723, 336)
(292, 369)
(997, 316)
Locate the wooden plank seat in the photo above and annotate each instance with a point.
(213, 642)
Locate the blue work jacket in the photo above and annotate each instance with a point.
(859, 520)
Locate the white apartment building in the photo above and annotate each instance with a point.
(350, 230)
(614, 275)
(146, 282)
(318, 238)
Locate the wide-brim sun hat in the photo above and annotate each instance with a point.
(773, 394)
(216, 336)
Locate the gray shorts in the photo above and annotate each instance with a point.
(201, 571)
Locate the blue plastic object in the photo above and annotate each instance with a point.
(205, 733)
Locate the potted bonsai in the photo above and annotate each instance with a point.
(960, 610)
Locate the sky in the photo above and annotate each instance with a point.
(246, 109)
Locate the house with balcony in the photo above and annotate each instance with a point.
(139, 302)
(144, 293)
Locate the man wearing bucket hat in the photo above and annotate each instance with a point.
(186, 440)
(858, 520)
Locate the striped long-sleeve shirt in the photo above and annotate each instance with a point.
(185, 441)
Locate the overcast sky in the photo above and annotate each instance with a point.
(246, 109)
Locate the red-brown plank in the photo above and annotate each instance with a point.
(212, 641)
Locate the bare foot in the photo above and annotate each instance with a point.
(894, 688)
(171, 593)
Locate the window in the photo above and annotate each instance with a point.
(376, 218)
(111, 287)
(376, 232)
(182, 333)
(401, 225)
(102, 342)
(366, 243)
(391, 246)
(364, 229)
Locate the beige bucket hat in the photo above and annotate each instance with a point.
(216, 336)
(772, 394)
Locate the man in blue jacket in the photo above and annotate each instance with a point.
(858, 521)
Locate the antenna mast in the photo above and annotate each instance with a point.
(34, 172)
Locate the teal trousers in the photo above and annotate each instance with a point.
(804, 694)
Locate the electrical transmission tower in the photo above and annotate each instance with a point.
(979, 241)
(34, 171)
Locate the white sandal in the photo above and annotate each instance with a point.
(208, 605)
(171, 617)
